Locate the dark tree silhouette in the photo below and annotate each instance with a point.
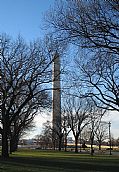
(24, 74)
(93, 26)
(78, 113)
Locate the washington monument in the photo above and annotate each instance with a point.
(56, 95)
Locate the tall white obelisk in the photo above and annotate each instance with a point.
(56, 95)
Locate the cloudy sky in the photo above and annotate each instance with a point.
(112, 117)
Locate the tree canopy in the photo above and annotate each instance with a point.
(24, 73)
(94, 27)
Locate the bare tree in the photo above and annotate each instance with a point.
(100, 77)
(85, 135)
(52, 136)
(24, 74)
(93, 26)
(61, 132)
(77, 111)
(65, 126)
(101, 134)
(44, 139)
(95, 120)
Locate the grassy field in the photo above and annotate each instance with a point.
(49, 161)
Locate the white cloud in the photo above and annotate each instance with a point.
(39, 120)
(113, 117)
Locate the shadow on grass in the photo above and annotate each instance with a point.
(68, 164)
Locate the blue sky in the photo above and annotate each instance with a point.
(24, 17)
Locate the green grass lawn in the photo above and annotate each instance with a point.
(51, 161)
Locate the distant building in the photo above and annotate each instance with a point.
(70, 140)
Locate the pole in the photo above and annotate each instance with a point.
(80, 142)
(110, 137)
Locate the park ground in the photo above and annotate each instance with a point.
(53, 161)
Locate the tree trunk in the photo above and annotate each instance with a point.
(14, 144)
(92, 150)
(76, 144)
(5, 149)
(99, 146)
(60, 142)
(65, 144)
(5, 134)
(54, 144)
